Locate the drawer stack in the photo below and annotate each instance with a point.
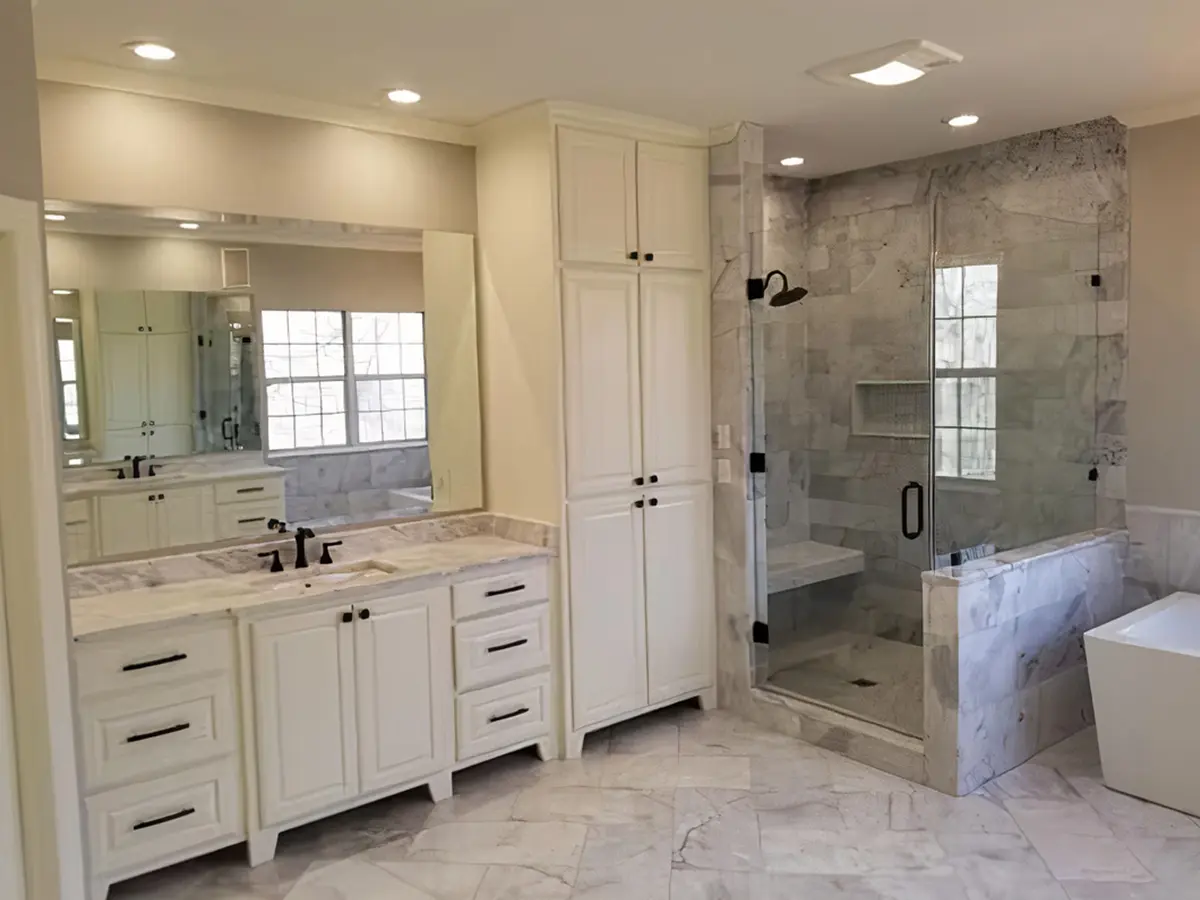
(245, 506)
(502, 656)
(161, 759)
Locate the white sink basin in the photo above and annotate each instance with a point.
(324, 578)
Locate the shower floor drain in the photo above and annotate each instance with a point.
(864, 682)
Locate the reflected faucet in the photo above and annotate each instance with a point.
(302, 534)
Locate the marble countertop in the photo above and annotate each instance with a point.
(182, 472)
(383, 560)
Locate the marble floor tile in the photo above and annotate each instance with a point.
(823, 810)
(716, 829)
(664, 773)
(1000, 867)
(852, 853)
(707, 885)
(1077, 755)
(355, 879)
(1130, 817)
(595, 806)
(625, 861)
(1087, 857)
(1093, 890)
(721, 733)
(926, 810)
(548, 846)
(1173, 860)
(521, 883)
(1033, 781)
(1058, 817)
(652, 735)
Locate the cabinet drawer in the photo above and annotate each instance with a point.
(248, 489)
(503, 716)
(152, 659)
(143, 733)
(247, 519)
(135, 825)
(500, 592)
(496, 648)
(77, 512)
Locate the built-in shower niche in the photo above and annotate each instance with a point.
(891, 409)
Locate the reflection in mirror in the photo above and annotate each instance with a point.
(259, 370)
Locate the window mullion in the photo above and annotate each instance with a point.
(349, 383)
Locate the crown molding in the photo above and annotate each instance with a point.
(155, 85)
(635, 125)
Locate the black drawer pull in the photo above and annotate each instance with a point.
(163, 820)
(162, 732)
(510, 645)
(253, 490)
(508, 590)
(248, 521)
(508, 715)
(150, 664)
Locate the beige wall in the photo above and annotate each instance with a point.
(1164, 326)
(20, 161)
(283, 276)
(104, 146)
(519, 331)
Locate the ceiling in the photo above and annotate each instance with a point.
(1029, 64)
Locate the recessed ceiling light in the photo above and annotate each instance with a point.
(60, 292)
(889, 74)
(189, 226)
(151, 50)
(55, 217)
(404, 95)
(887, 66)
(792, 161)
(961, 121)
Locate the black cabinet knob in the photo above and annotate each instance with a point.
(141, 328)
(151, 498)
(633, 254)
(654, 479)
(649, 257)
(364, 614)
(162, 496)
(149, 328)
(347, 617)
(638, 504)
(639, 481)
(654, 501)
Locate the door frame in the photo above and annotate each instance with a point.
(43, 733)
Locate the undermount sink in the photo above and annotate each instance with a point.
(325, 578)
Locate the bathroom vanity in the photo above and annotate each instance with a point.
(225, 709)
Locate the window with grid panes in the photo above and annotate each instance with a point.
(965, 360)
(336, 379)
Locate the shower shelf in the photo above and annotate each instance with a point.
(807, 562)
(891, 409)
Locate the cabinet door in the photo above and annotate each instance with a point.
(169, 368)
(170, 440)
(405, 688)
(121, 312)
(608, 611)
(123, 360)
(126, 442)
(600, 335)
(79, 543)
(680, 613)
(168, 312)
(672, 205)
(675, 378)
(185, 516)
(127, 523)
(597, 203)
(304, 711)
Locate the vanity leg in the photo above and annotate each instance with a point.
(441, 787)
(546, 749)
(708, 699)
(574, 746)
(260, 848)
(100, 889)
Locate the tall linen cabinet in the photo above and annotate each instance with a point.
(595, 375)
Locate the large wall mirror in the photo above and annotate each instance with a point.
(336, 361)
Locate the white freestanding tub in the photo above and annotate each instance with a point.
(1145, 675)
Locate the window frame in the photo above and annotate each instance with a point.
(80, 439)
(349, 381)
(962, 373)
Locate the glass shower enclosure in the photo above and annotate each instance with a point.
(931, 401)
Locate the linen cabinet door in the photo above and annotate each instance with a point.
(672, 191)
(680, 612)
(304, 712)
(597, 205)
(608, 611)
(405, 688)
(675, 378)
(603, 394)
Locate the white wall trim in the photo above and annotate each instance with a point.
(32, 571)
(625, 123)
(383, 120)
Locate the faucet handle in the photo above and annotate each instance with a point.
(277, 525)
(276, 565)
(326, 558)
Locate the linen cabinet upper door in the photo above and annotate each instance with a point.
(597, 206)
(672, 206)
(675, 378)
(600, 350)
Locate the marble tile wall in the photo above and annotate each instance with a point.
(1164, 552)
(1005, 672)
(351, 484)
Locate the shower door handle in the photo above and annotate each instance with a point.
(904, 504)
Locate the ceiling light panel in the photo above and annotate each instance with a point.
(152, 51)
(888, 66)
(962, 121)
(792, 161)
(404, 96)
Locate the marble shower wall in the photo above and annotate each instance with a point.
(1005, 672)
(351, 484)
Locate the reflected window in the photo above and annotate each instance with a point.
(68, 363)
(337, 379)
(965, 302)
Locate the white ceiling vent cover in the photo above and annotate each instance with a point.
(891, 65)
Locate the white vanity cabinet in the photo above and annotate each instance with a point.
(155, 519)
